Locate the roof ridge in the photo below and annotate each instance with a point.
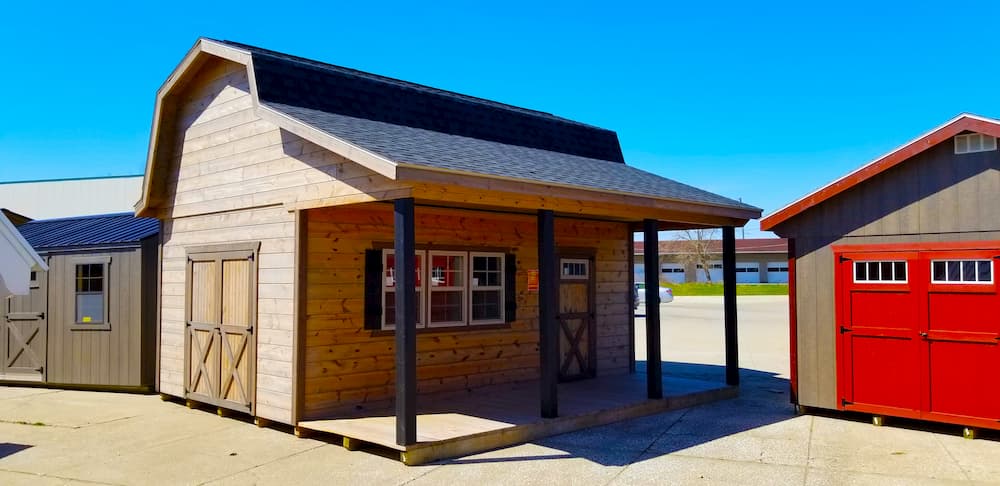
(404, 83)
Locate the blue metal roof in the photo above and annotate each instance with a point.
(88, 231)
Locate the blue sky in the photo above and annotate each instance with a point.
(763, 103)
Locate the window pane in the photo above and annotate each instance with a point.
(90, 307)
(447, 270)
(860, 271)
(985, 271)
(954, 271)
(446, 306)
(939, 271)
(485, 305)
(390, 269)
(390, 308)
(969, 271)
(486, 271)
(873, 271)
(886, 270)
(899, 271)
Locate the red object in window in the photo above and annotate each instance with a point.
(920, 348)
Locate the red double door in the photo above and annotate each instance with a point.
(919, 333)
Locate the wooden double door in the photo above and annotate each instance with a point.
(221, 316)
(920, 334)
(577, 335)
(23, 334)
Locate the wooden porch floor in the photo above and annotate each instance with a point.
(467, 422)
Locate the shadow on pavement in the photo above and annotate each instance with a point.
(763, 400)
(9, 449)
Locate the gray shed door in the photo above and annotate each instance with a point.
(22, 334)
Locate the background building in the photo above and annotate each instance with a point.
(758, 260)
(62, 198)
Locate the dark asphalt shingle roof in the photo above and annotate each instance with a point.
(88, 231)
(410, 123)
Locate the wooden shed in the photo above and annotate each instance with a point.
(338, 243)
(90, 319)
(894, 293)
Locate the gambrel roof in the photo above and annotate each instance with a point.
(386, 124)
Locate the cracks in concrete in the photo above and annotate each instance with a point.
(649, 446)
(258, 466)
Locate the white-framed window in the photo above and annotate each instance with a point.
(777, 267)
(880, 271)
(962, 271)
(575, 268)
(447, 288)
(487, 288)
(33, 280)
(713, 266)
(453, 288)
(974, 142)
(389, 288)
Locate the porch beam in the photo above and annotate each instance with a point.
(729, 304)
(406, 324)
(548, 326)
(651, 263)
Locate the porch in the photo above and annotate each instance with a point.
(461, 423)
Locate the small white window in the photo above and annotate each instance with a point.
(487, 288)
(575, 269)
(962, 271)
(974, 142)
(883, 271)
(447, 288)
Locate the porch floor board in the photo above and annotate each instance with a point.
(461, 423)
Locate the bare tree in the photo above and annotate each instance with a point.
(695, 249)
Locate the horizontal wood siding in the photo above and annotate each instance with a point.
(80, 356)
(232, 178)
(346, 366)
(935, 197)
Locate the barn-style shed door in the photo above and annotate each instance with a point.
(576, 319)
(24, 331)
(221, 316)
(919, 334)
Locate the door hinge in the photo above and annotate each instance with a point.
(844, 259)
(40, 369)
(844, 402)
(845, 329)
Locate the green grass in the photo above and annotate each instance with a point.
(688, 289)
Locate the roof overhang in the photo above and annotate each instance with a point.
(17, 260)
(203, 50)
(955, 126)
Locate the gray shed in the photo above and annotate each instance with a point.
(90, 320)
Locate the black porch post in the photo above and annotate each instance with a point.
(729, 304)
(651, 268)
(406, 325)
(548, 327)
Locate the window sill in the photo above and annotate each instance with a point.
(82, 326)
(432, 330)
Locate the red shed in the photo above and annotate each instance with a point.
(894, 300)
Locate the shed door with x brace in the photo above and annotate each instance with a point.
(24, 331)
(221, 348)
(920, 334)
(576, 319)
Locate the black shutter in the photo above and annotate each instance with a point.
(510, 287)
(373, 289)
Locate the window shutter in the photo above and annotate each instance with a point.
(510, 287)
(373, 290)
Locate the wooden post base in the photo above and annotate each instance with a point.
(968, 433)
(222, 412)
(191, 404)
(165, 397)
(352, 444)
(261, 422)
(878, 420)
(302, 433)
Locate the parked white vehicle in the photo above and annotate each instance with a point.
(666, 295)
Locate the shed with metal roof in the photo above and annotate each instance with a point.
(90, 319)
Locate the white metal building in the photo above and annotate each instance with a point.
(60, 198)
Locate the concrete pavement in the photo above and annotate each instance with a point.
(74, 437)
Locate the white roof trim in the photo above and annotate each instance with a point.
(17, 259)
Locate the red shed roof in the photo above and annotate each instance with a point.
(746, 245)
(955, 126)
